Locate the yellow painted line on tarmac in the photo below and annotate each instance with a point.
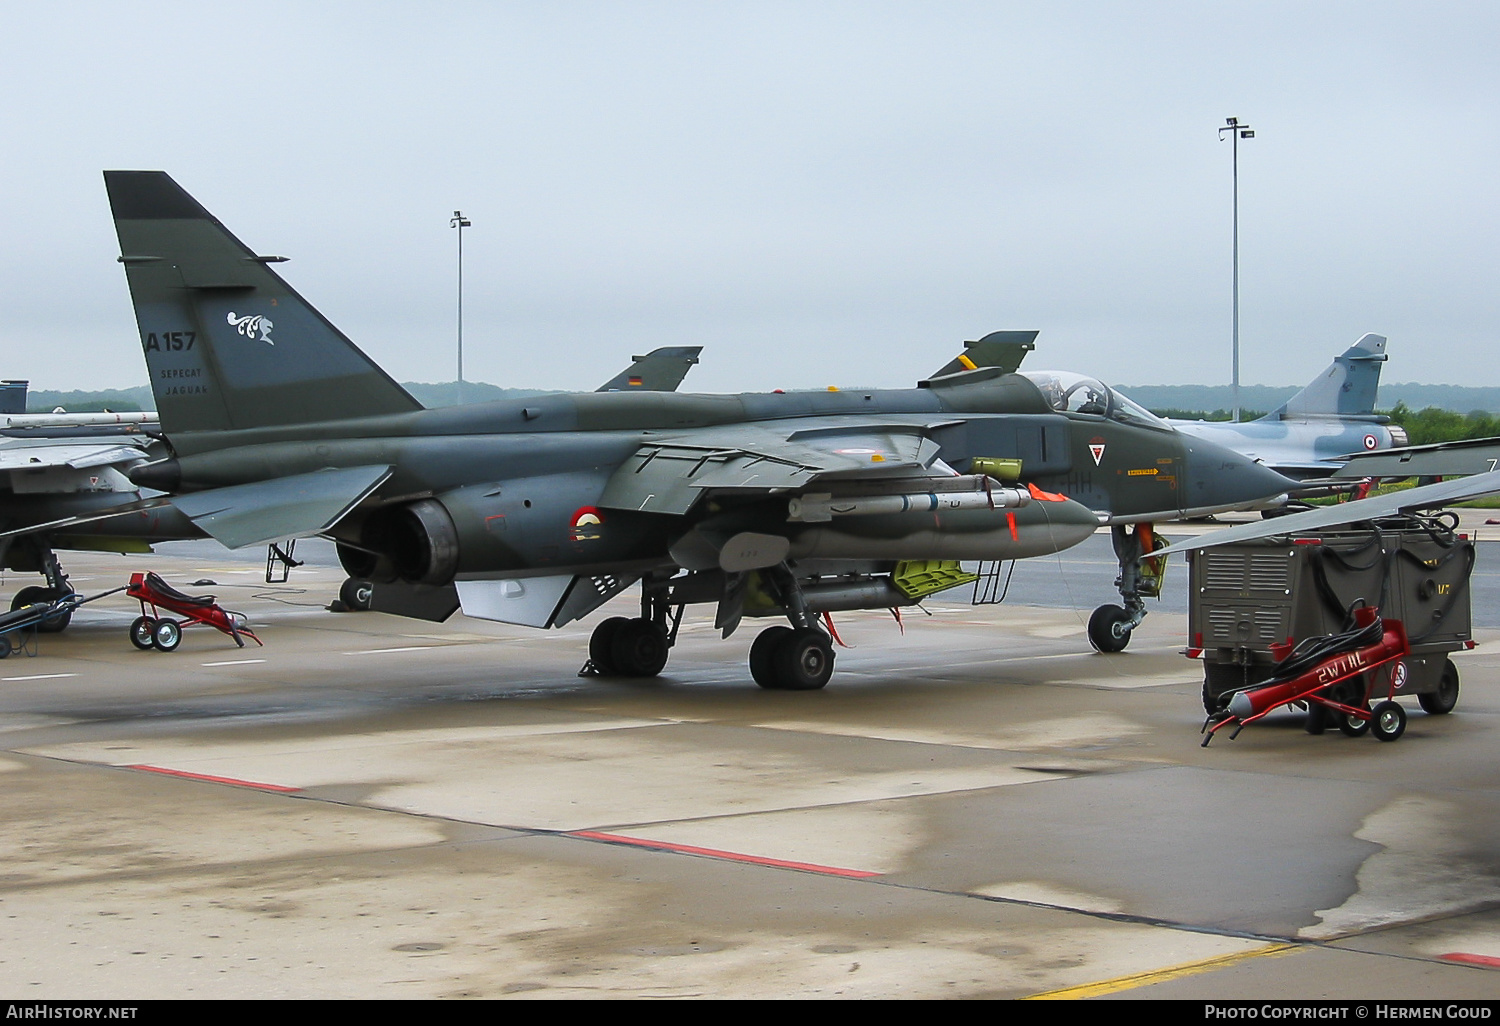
(1175, 972)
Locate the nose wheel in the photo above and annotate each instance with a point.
(1140, 578)
(1110, 627)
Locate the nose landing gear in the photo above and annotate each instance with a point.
(57, 587)
(1140, 578)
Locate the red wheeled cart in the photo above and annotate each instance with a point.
(1335, 677)
(152, 630)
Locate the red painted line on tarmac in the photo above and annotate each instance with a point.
(214, 780)
(715, 853)
(1488, 961)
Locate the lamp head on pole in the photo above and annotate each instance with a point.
(1233, 127)
(458, 220)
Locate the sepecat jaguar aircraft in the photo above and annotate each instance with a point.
(536, 511)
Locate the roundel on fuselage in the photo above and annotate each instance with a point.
(587, 524)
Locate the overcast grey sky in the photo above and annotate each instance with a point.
(819, 193)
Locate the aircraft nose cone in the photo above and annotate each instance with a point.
(1220, 478)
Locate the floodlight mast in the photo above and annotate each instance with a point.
(459, 221)
(1236, 132)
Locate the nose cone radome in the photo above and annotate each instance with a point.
(1218, 478)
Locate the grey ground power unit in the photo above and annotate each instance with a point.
(1246, 597)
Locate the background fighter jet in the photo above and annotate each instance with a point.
(660, 370)
(1332, 417)
(536, 511)
(63, 485)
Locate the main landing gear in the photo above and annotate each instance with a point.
(639, 646)
(795, 658)
(622, 647)
(57, 587)
(791, 658)
(1110, 626)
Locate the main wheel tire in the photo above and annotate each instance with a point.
(6, 647)
(142, 630)
(1442, 701)
(639, 649)
(1351, 725)
(1388, 721)
(601, 645)
(1317, 718)
(1107, 630)
(54, 624)
(762, 652)
(356, 595)
(803, 661)
(30, 597)
(167, 635)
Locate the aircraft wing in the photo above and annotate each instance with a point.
(1425, 497)
(41, 453)
(660, 370)
(1443, 459)
(669, 475)
(284, 507)
(138, 506)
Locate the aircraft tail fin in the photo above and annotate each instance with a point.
(13, 396)
(1003, 349)
(1346, 389)
(660, 370)
(228, 343)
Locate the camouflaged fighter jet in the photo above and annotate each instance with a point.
(1332, 417)
(63, 486)
(536, 511)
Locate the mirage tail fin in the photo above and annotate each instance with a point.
(1346, 389)
(228, 344)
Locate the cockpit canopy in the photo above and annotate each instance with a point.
(1067, 392)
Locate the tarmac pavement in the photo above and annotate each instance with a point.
(978, 805)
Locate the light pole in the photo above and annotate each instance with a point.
(1236, 132)
(459, 221)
